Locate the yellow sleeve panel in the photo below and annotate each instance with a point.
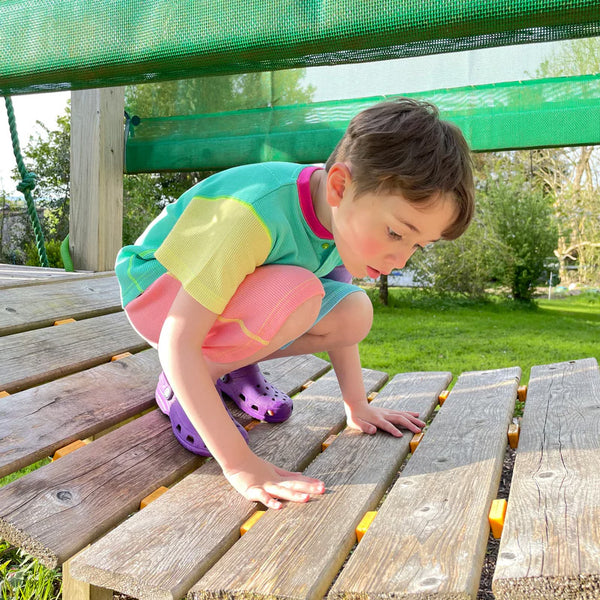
(213, 246)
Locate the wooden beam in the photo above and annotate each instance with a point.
(550, 543)
(96, 209)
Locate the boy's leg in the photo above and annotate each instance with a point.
(272, 306)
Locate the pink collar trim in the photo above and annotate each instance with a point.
(306, 204)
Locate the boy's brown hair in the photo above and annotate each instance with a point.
(403, 146)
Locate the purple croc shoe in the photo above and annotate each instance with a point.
(182, 427)
(248, 388)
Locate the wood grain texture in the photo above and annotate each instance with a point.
(33, 357)
(550, 546)
(295, 553)
(34, 306)
(161, 551)
(429, 538)
(36, 422)
(58, 509)
(96, 182)
(72, 589)
(20, 275)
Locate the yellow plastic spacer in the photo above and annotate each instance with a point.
(522, 393)
(153, 496)
(442, 397)
(513, 435)
(496, 517)
(64, 321)
(120, 356)
(365, 523)
(4, 394)
(372, 396)
(69, 448)
(416, 440)
(327, 442)
(251, 521)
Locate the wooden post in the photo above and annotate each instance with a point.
(96, 210)
(78, 590)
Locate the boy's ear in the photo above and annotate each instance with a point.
(338, 179)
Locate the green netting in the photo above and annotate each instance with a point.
(530, 114)
(62, 44)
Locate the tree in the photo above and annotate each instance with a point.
(48, 153)
(145, 194)
(570, 174)
(522, 218)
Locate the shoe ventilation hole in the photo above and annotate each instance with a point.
(190, 439)
(242, 397)
(254, 407)
(178, 427)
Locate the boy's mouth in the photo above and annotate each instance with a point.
(373, 273)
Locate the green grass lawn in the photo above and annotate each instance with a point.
(420, 332)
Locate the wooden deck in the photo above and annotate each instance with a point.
(430, 532)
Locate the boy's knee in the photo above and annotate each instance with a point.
(357, 316)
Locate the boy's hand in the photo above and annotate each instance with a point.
(368, 419)
(260, 481)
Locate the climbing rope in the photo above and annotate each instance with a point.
(27, 184)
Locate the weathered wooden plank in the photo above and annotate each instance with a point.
(161, 551)
(31, 307)
(72, 589)
(429, 537)
(301, 549)
(36, 422)
(33, 357)
(58, 509)
(19, 275)
(293, 372)
(550, 545)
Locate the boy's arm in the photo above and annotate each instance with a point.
(360, 414)
(180, 351)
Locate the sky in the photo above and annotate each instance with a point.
(343, 81)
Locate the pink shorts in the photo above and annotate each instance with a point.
(260, 306)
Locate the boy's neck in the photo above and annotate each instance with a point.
(318, 192)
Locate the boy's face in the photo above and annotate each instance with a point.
(377, 233)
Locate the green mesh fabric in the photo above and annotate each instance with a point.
(63, 44)
(530, 114)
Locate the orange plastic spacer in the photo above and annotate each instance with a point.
(416, 440)
(69, 448)
(522, 393)
(443, 397)
(251, 521)
(153, 496)
(120, 356)
(327, 442)
(4, 394)
(307, 384)
(496, 517)
(251, 425)
(364, 524)
(372, 396)
(64, 321)
(513, 435)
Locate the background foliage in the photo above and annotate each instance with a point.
(538, 211)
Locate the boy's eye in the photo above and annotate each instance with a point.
(392, 234)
